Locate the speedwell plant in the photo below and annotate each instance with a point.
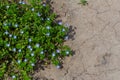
(28, 34)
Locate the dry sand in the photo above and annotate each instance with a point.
(96, 42)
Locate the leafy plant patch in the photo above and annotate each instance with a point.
(29, 33)
(83, 2)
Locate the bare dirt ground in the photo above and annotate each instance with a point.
(96, 43)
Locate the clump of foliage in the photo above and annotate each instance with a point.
(83, 2)
(28, 33)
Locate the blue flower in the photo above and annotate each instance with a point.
(31, 49)
(63, 30)
(32, 9)
(42, 19)
(16, 25)
(48, 34)
(60, 23)
(6, 32)
(18, 61)
(10, 35)
(48, 19)
(58, 51)
(14, 49)
(21, 32)
(38, 14)
(37, 45)
(23, 2)
(67, 52)
(14, 37)
(29, 46)
(25, 60)
(48, 27)
(32, 54)
(41, 52)
(19, 50)
(67, 25)
(66, 38)
(20, 2)
(9, 24)
(29, 39)
(7, 7)
(44, 5)
(58, 66)
(5, 24)
(53, 54)
(8, 45)
(32, 64)
(13, 76)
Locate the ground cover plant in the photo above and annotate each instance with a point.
(29, 33)
(83, 2)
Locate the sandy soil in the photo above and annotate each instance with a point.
(96, 42)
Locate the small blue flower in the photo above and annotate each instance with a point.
(42, 19)
(41, 52)
(38, 14)
(58, 51)
(32, 9)
(31, 49)
(66, 38)
(63, 30)
(16, 25)
(18, 61)
(58, 66)
(60, 23)
(67, 25)
(14, 37)
(19, 50)
(5, 24)
(29, 39)
(13, 76)
(67, 52)
(48, 34)
(7, 7)
(32, 64)
(8, 45)
(44, 5)
(9, 24)
(20, 2)
(10, 35)
(32, 54)
(21, 32)
(37, 45)
(25, 60)
(6, 32)
(23, 2)
(48, 19)
(14, 49)
(53, 54)
(48, 27)
(29, 46)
